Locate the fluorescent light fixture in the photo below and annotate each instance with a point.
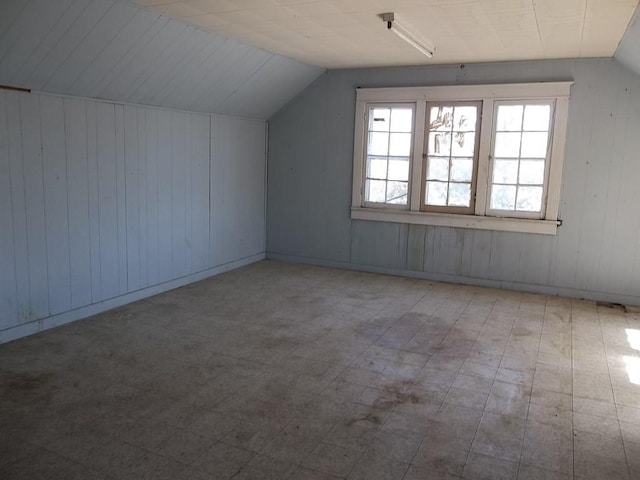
(402, 32)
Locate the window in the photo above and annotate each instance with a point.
(475, 156)
(520, 157)
(388, 154)
(452, 157)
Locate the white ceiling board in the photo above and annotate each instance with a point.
(117, 50)
(349, 33)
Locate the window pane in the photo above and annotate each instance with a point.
(452, 154)
(459, 194)
(531, 172)
(401, 120)
(436, 193)
(529, 199)
(505, 171)
(377, 167)
(397, 192)
(464, 118)
(379, 119)
(503, 197)
(399, 169)
(507, 145)
(378, 143)
(534, 144)
(400, 144)
(438, 168)
(439, 143)
(441, 118)
(509, 118)
(536, 117)
(461, 169)
(463, 144)
(376, 191)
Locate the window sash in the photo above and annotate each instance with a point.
(489, 211)
(425, 160)
(365, 163)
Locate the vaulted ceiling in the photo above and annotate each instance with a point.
(349, 33)
(250, 57)
(116, 50)
(628, 52)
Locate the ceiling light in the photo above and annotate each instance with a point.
(402, 32)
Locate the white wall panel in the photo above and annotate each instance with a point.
(54, 158)
(32, 171)
(100, 200)
(76, 141)
(18, 209)
(8, 312)
(237, 185)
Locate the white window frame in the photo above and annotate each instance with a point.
(549, 91)
(410, 105)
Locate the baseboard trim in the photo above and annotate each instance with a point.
(25, 329)
(629, 300)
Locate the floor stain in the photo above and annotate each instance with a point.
(390, 397)
(25, 382)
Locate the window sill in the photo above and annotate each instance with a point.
(520, 225)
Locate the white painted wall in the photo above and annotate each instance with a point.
(596, 253)
(104, 203)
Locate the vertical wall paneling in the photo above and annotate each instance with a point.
(614, 246)
(141, 194)
(18, 206)
(132, 186)
(94, 200)
(594, 200)
(34, 202)
(180, 172)
(54, 159)
(236, 186)
(153, 215)
(107, 200)
(165, 193)
(199, 199)
(75, 120)
(101, 200)
(121, 197)
(8, 312)
(415, 247)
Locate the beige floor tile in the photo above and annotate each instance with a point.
(499, 436)
(332, 459)
(483, 467)
(279, 370)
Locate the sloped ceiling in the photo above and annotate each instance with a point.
(349, 33)
(116, 50)
(628, 52)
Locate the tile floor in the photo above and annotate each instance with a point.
(280, 371)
